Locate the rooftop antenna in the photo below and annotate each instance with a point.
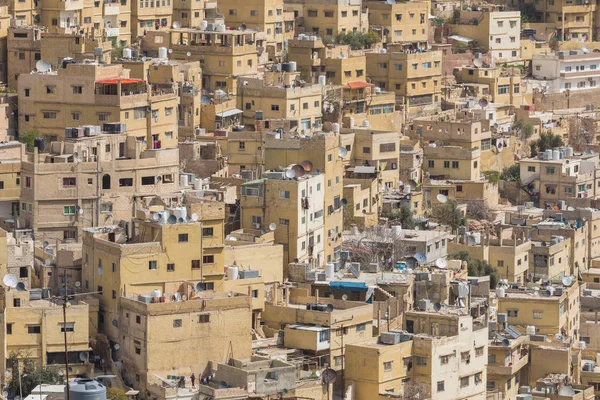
(272, 226)
(442, 198)
(194, 217)
(176, 25)
(483, 103)
(43, 66)
(342, 152)
(441, 263)
(290, 173)
(478, 62)
(10, 280)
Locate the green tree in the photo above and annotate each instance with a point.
(523, 129)
(115, 394)
(28, 138)
(528, 13)
(31, 375)
(476, 267)
(358, 40)
(546, 141)
(511, 173)
(402, 215)
(492, 177)
(448, 214)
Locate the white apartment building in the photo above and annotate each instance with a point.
(567, 70)
(505, 35)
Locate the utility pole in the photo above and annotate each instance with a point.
(65, 335)
(98, 184)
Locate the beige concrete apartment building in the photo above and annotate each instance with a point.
(10, 178)
(329, 18)
(24, 12)
(414, 76)
(268, 16)
(224, 56)
(87, 93)
(400, 22)
(98, 181)
(150, 16)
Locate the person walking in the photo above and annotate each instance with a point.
(193, 379)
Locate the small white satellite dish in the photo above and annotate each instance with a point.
(441, 198)
(45, 244)
(43, 66)
(79, 159)
(478, 63)
(567, 281)
(499, 147)
(483, 103)
(176, 25)
(155, 217)
(290, 173)
(5, 393)
(10, 280)
(342, 152)
(8, 372)
(80, 211)
(585, 50)
(83, 356)
(272, 226)
(170, 51)
(195, 217)
(345, 297)
(441, 263)
(117, 346)
(77, 284)
(189, 53)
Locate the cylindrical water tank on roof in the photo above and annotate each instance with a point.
(500, 292)
(335, 127)
(127, 53)
(292, 66)
(203, 25)
(329, 271)
(322, 80)
(351, 121)
(86, 389)
(556, 154)
(184, 180)
(569, 151)
(366, 123)
(232, 272)
(162, 52)
(530, 330)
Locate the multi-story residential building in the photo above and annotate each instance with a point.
(270, 99)
(567, 70)
(95, 94)
(329, 18)
(496, 32)
(118, 263)
(115, 20)
(552, 310)
(469, 133)
(507, 364)
(34, 329)
(452, 162)
(24, 51)
(11, 154)
(224, 56)
(496, 85)
(550, 179)
(98, 179)
(24, 12)
(339, 63)
(150, 16)
(415, 76)
(17, 256)
(400, 22)
(322, 150)
(61, 16)
(150, 333)
(295, 206)
(268, 16)
(190, 14)
(4, 24)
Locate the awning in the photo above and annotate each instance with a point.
(364, 170)
(228, 113)
(358, 85)
(116, 80)
(462, 39)
(351, 286)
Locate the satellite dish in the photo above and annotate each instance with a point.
(21, 287)
(289, 173)
(155, 216)
(342, 152)
(47, 262)
(170, 51)
(344, 202)
(117, 346)
(420, 257)
(172, 219)
(189, 53)
(272, 226)
(329, 376)
(330, 307)
(505, 342)
(45, 244)
(437, 307)
(10, 280)
(344, 297)
(307, 165)
(180, 220)
(585, 50)
(567, 281)
(441, 263)
(243, 27)
(83, 356)
(43, 66)
(8, 372)
(5, 393)
(115, 322)
(80, 211)
(441, 198)
(499, 147)
(79, 159)
(77, 284)
(483, 103)
(478, 63)
(194, 217)
(176, 25)
(298, 171)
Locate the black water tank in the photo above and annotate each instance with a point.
(40, 144)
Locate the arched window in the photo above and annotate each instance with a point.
(106, 182)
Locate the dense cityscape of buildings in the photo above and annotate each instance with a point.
(299, 199)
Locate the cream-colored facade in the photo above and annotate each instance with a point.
(400, 22)
(507, 365)
(10, 178)
(329, 18)
(150, 16)
(499, 86)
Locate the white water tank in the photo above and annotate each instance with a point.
(500, 292)
(203, 25)
(351, 121)
(569, 151)
(329, 271)
(396, 231)
(383, 51)
(127, 53)
(556, 154)
(180, 212)
(198, 184)
(221, 28)
(184, 180)
(322, 80)
(232, 273)
(162, 52)
(293, 66)
(366, 123)
(377, 90)
(530, 330)
(156, 293)
(548, 155)
(335, 127)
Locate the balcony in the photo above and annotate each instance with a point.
(124, 93)
(112, 32)
(111, 8)
(509, 369)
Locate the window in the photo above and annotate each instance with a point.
(387, 147)
(444, 360)
(16, 302)
(69, 210)
(361, 327)
(284, 194)
(254, 13)
(339, 361)
(177, 323)
(124, 182)
(512, 313)
(77, 89)
(478, 351)
(50, 89)
(464, 382)
(538, 314)
(387, 366)
(274, 107)
(549, 170)
(148, 180)
(9, 329)
(203, 318)
(34, 329)
(170, 267)
(241, 145)
(152, 264)
(183, 238)
(503, 89)
(440, 386)
(27, 91)
(530, 169)
(49, 114)
(431, 163)
(208, 259)
(421, 360)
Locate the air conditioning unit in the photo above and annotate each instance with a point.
(503, 318)
(200, 131)
(389, 338)
(114, 127)
(145, 299)
(256, 226)
(424, 304)
(558, 291)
